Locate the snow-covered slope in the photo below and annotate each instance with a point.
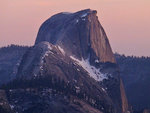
(92, 70)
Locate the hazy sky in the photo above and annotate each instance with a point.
(126, 22)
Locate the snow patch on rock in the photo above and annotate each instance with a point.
(11, 106)
(77, 21)
(92, 71)
(96, 61)
(46, 52)
(83, 19)
(62, 51)
(84, 15)
(34, 74)
(49, 47)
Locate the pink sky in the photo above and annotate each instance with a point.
(126, 22)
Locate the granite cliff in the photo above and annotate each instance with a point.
(71, 63)
(80, 34)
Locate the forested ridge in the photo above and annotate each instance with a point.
(135, 72)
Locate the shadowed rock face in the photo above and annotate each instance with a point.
(80, 34)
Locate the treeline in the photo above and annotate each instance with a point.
(143, 60)
(13, 46)
(135, 72)
(58, 86)
(10, 57)
(133, 67)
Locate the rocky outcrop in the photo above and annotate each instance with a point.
(125, 106)
(79, 34)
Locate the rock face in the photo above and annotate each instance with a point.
(80, 34)
(73, 59)
(125, 105)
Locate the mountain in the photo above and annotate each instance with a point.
(135, 73)
(71, 68)
(79, 34)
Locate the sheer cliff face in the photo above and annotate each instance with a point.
(80, 34)
(125, 105)
(98, 39)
